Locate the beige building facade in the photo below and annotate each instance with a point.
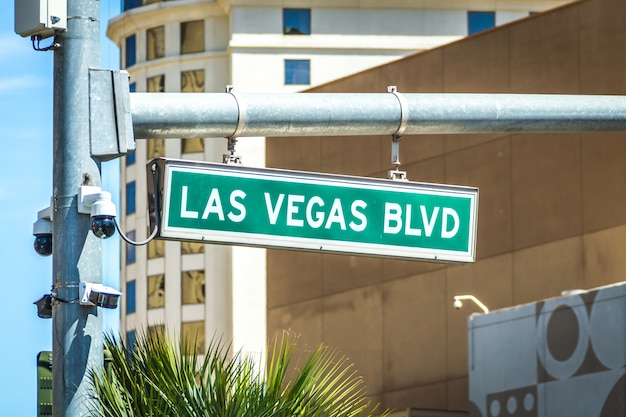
(256, 45)
(552, 210)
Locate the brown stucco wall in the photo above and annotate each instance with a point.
(552, 212)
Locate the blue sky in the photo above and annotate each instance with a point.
(26, 80)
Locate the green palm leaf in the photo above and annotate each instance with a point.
(159, 377)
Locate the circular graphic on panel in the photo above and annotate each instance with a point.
(608, 329)
(562, 336)
(562, 333)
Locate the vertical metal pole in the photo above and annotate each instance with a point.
(77, 330)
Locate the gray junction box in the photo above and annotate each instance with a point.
(40, 18)
(562, 356)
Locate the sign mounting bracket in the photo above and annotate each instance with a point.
(396, 174)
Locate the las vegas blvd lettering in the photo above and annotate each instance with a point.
(312, 211)
(287, 209)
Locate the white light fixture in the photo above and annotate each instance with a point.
(458, 303)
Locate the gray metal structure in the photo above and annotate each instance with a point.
(163, 115)
(563, 356)
(77, 330)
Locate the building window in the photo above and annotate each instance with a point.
(131, 4)
(156, 330)
(187, 248)
(193, 335)
(130, 297)
(131, 337)
(192, 145)
(130, 197)
(156, 291)
(297, 21)
(192, 82)
(155, 43)
(479, 21)
(156, 148)
(192, 284)
(156, 248)
(131, 51)
(155, 84)
(130, 158)
(297, 71)
(131, 254)
(192, 37)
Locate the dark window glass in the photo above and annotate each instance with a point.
(130, 297)
(297, 21)
(297, 71)
(479, 21)
(131, 336)
(131, 51)
(130, 197)
(131, 4)
(131, 255)
(130, 158)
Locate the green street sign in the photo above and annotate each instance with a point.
(230, 204)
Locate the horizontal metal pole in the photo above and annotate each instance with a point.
(169, 115)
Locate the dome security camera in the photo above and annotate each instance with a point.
(101, 209)
(458, 304)
(42, 230)
(103, 216)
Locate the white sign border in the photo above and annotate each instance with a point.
(312, 244)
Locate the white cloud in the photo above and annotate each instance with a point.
(14, 46)
(20, 82)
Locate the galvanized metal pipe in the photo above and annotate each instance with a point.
(77, 330)
(162, 115)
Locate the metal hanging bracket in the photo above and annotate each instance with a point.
(396, 174)
(231, 157)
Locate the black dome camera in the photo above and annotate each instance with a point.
(42, 230)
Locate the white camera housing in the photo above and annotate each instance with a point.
(94, 294)
(458, 304)
(98, 204)
(42, 230)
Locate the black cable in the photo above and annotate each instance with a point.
(52, 46)
(156, 215)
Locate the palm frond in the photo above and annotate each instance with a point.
(158, 377)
